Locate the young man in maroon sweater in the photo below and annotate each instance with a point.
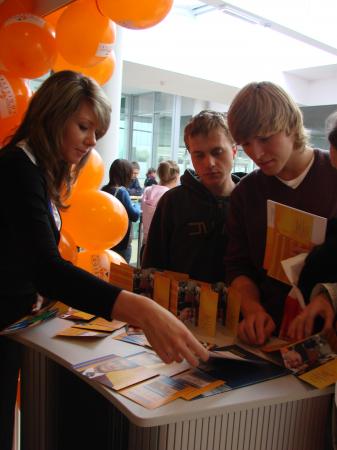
(268, 124)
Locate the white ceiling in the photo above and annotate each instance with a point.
(309, 60)
(229, 52)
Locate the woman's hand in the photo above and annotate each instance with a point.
(169, 337)
(302, 326)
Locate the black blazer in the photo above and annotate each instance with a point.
(30, 261)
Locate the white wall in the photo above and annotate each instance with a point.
(323, 92)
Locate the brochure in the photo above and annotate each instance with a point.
(203, 305)
(163, 389)
(314, 359)
(290, 231)
(238, 367)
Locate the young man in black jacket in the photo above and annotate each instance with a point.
(188, 232)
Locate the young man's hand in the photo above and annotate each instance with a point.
(256, 327)
(303, 325)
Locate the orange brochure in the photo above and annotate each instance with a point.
(197, 383)
(290, 231)
(156, 392)
(81, 333)
(121, 275)
(100, 324)
(161, 290)
(314, 359)
(233, 310)
(208, 309)
(115, 372)
(163, 389)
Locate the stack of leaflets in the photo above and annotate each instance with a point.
(46, 312)
(88, 326)
(145, 379)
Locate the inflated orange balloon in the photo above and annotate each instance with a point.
(28, 5)
(135, 14)
(98, 263)
(28, 46)
(91, 175)
(84, 36)
(53, 17)
(96, 220)
(101, 72)
(67, 247)
(10, 8)
(14, 99)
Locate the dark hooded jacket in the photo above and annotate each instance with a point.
(188, 232)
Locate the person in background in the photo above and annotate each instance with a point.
(168, 173)
(188, 231)
(268, 124)
(134, 188)
(318, 278)
(150, 177)
(120, 175)
(41, 161)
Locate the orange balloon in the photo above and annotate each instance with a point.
(67, 247)
(84, 36)
(134, 13)
(10, 8)
(53, 17)
(96, 220)
(98, 263)
(91, 175)
(14, 99)
(101, 72)
(28, 47)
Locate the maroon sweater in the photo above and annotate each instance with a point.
(247, 223)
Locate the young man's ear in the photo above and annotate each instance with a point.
(234, 150)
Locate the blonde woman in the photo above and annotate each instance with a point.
(168, 173)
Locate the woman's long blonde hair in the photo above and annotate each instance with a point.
(42, 127)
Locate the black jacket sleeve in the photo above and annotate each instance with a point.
(26, 216)
(321, 264)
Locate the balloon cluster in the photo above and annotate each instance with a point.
(79, 36)
(95, 221)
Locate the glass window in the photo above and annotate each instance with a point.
(143, 103)
(142, 143)
(242, 163)
(184, 160)
(314, 118)
(163, 103)
(162, 149)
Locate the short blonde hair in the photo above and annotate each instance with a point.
(204, 122)
(262, 109)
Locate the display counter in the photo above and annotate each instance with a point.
(61, 408)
